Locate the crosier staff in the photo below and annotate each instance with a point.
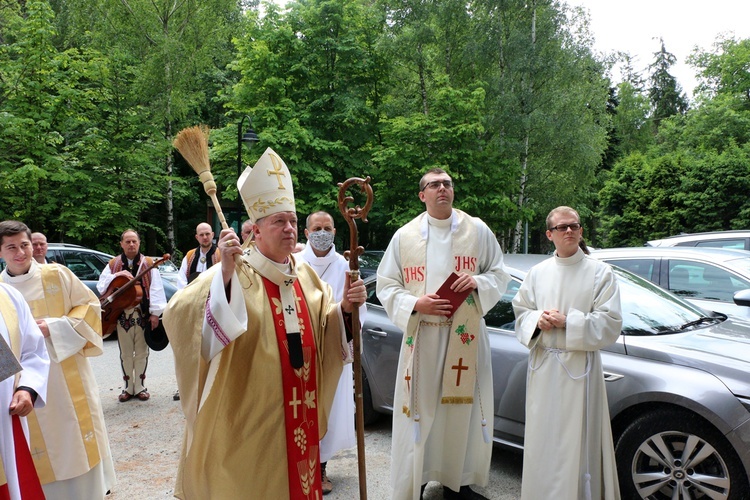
(352, 255)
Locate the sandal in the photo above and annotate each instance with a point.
(124, 396)
(143, 395)
(326, 483)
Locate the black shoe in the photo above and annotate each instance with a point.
(176, 396)
(465, 493)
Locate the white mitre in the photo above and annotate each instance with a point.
(266, 188)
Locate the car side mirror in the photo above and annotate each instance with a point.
(742, 298)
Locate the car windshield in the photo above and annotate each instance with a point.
(371, 259)
(168, 267)
(649, 310)
(646, 308)
(742, 264)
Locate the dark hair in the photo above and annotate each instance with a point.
(12, 228)
(435, 170)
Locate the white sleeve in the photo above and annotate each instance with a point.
(34, 358)
(224, 320)
(157, 300)
(182, 275)
(492, 279)
(398, 302)
(104, 280)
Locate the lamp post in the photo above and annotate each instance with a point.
(250, 136)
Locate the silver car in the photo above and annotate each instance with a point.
(678, 386)
(739, 240)
(714, 279)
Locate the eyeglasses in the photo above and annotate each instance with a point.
(563, 228)
(447, 184)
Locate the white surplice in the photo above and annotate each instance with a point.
(452, 449)
(35, 363)
(564, 443)
(332, 268)
(76, 339)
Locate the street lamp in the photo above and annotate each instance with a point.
(250, 136)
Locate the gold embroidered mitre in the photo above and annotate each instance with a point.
(267, 188)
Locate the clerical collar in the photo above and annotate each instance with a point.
(429, 220)
(309, 255)
(285, 267)
(24, 276)
(572, 260)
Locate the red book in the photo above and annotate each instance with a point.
(456, 298)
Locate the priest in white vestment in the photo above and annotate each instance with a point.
(567, 309)
(320, 253)
(20, 394)
(68, 436)
(258, 374)
(443, 403)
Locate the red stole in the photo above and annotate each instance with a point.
(300, 400)
(28, 481)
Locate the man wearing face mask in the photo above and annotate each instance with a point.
(331, 267)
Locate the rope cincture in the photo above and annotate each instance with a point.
(585, 375)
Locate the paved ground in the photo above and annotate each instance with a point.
(146, 436)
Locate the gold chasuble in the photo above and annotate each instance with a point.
(68, 436)
(244, 408)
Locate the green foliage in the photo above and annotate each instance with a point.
(665, 93)
(506, 96)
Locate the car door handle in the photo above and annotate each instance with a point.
(611, 377)
(376, 333)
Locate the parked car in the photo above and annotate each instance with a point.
(708, 277)
(739, 240)
(677, 384)
(86, 263)
(369, 262)
(168, 271)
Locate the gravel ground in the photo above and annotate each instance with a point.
(145, 438)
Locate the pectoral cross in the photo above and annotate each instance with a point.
(277, 170)
(459, 367)
(295, 402)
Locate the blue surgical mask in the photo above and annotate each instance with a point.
(321, 240)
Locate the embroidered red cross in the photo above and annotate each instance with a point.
(459, 367)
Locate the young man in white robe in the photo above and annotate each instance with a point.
(259, 346)
(19, 395)
(443, 403)
(567, 309)
(68, 436)
(320, 253)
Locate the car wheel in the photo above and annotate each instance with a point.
(368, 411)
(671, 454)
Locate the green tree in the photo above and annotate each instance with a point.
(725, 70)
(54, 166)
(174, 55)
(665, 94)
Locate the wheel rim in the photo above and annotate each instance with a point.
(676, 465)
